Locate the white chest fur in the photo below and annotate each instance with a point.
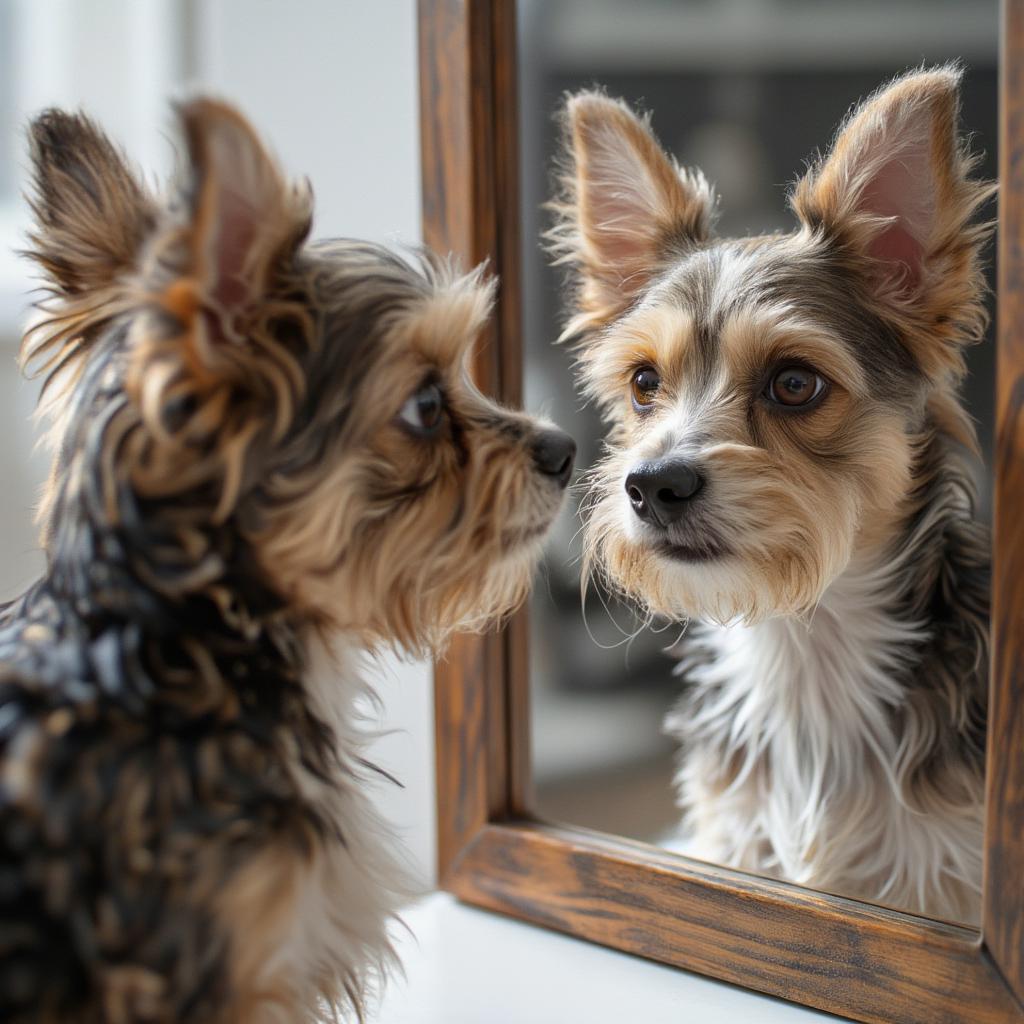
(792, 759)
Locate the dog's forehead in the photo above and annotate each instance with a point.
(773, 283)
(687, 313)
(445, 326)
(714, 282)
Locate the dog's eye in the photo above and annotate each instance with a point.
(423, 412)
(645, 386)
(795, 386)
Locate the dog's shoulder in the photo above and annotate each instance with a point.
(139, 776)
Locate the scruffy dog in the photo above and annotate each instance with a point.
(259, 443)
(789, 464)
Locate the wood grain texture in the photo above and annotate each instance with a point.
(865, 962)
(836, 954)
(1003, 921)
(469, 145)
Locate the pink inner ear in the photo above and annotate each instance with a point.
(623, 208)
(903, 188)
(623, 226)
(897, 245)
(235, 233)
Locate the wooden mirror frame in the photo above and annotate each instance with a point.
(841, 955)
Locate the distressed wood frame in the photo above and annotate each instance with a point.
(850, 958)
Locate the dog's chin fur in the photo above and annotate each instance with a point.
(833, 727)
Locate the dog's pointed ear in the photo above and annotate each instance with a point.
(626, 206)
(216, 367)
(895, 193)
(91, 214)
(244, 218)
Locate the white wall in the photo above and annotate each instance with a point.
(332, 85)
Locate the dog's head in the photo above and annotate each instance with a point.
(766, 395)
(217, 372)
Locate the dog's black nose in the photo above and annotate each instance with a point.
(660, 491)
(554, 452)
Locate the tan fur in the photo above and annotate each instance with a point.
(441, 577)
(242, 477)
(832, 732)
(759, 463)
(257, 908)
(84, 239)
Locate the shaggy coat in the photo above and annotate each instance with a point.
(802, 388)
(260, 444)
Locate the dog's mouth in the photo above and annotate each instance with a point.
(699, 551)
(687, 543)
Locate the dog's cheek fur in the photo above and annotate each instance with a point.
(780, 558)
(412, 561)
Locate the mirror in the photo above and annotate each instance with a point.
(747, 91)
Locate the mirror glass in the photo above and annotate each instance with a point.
(749, 91)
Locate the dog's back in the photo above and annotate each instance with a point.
(142, 804)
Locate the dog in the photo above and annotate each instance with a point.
(268, 455)
(789, 465)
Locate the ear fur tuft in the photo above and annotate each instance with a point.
(91, 214)
(625, 207)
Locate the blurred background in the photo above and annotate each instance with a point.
(332, 85)
(747, 90)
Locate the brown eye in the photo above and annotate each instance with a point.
(795, 386)
(645, 386)
(423, 412)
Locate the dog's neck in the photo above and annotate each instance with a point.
(845, 750)
(823, 688)
(887, 671)
(844, 659)
(167, 582)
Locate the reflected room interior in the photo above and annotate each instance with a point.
(746, 90)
